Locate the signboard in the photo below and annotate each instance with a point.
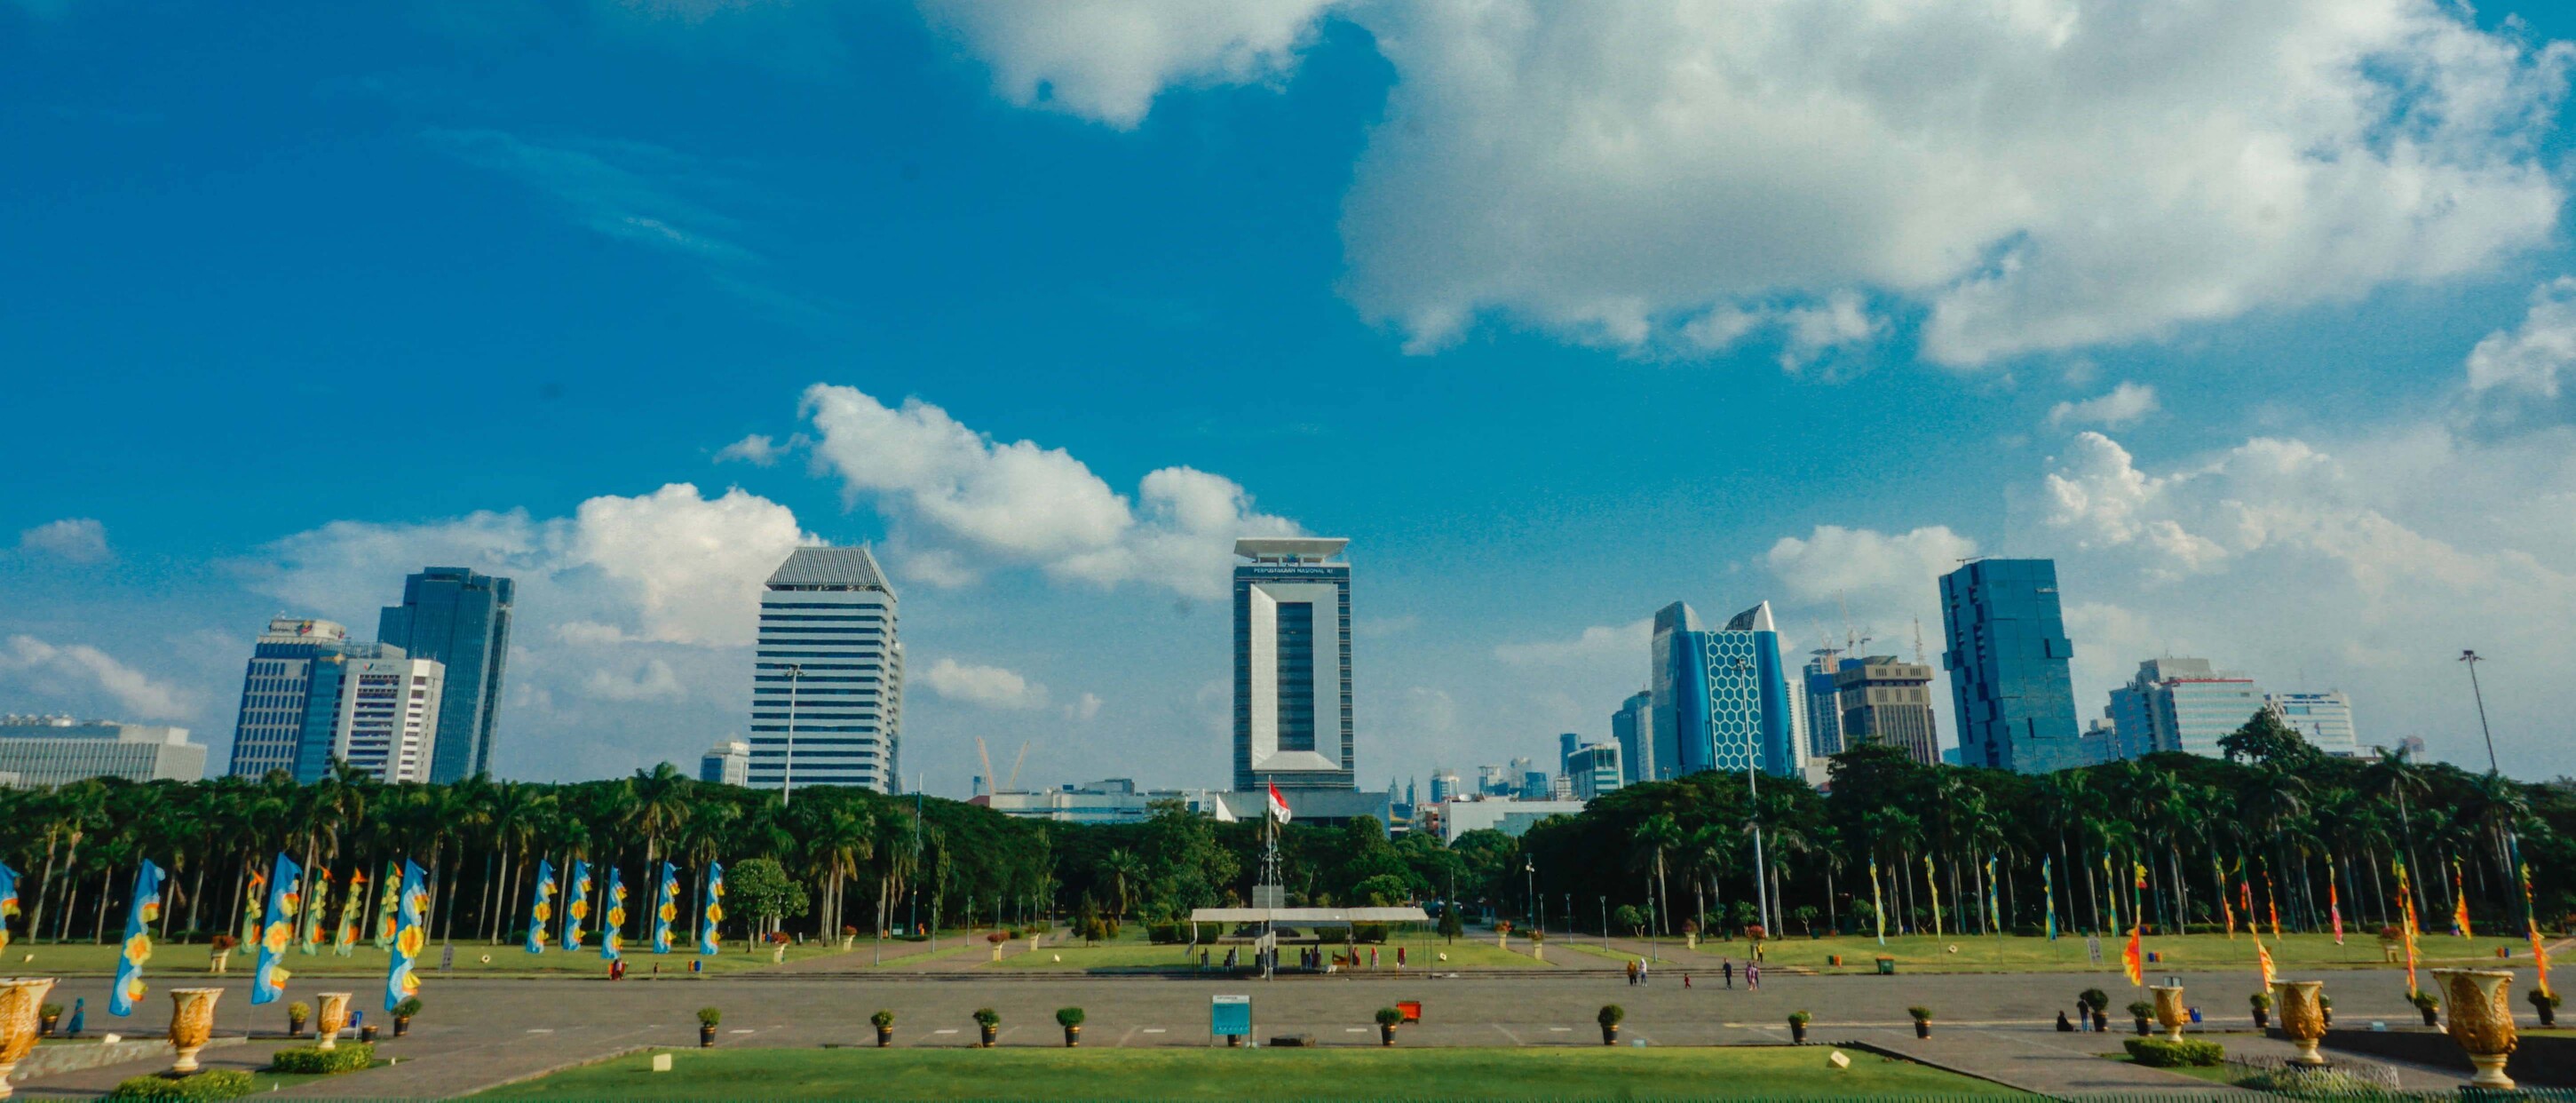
(1230, 1016)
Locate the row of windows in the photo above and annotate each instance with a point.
(766, 605)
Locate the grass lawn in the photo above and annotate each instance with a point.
(1130, 950)
(178, 962)
(1266, 1074)
(1924, 953)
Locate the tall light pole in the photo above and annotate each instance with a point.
(1753, 793)
(787, 768)
(2473, 659)
(1529, 867)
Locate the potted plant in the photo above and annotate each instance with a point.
(1538, 944)
(1070, 1018)
(708, 1017)
(2545, 1003)
(403, 1012)
(1388, 1019)
(47, 1016)
(849, 935)
(2431, 1007)
(367, 1034)
(1610, 1017)
(884, 1022)
(988, 1024)
(219, 953)
(297, 1014)
(1922, 1021)
(2142, 1011)
(998, 939)
(1798, 1027)
(1503, 933)
(2262, 1003)
(2097, 1006)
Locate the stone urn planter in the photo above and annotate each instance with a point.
(2481, 1021)
(20, 999)
(192, 1024)
(2170, 1013)
(333, 1019)
(2303, 1018)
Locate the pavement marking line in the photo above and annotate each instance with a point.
(1354, 1030)
(541, 1030)
(1565, 1029)
(1155, 1030)
(943, 1032)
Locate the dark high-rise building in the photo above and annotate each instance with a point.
(1292, 664)
(460, 619)
(2008, 666)
(1887, 702)
(1633, 729)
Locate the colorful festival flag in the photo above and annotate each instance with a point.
(139, 915)
(2218, 876)
(2263, 958)
(8, 901)
(276, 930)
(578, 911)
(1933, 883)
(1994, 911)
(2272, 902)
(2133, 961)
(2245, 897)
(2048, 889)
(2459, 903)
(411, 934)
(2111, 891)
(353, 904)
(2531, 926)
(2406, 898)
(388, 893)
(612, 926)
(317, 888)
(712, 911)
(2334, 904)
(253, 903)
(543, 910)
(666, 907)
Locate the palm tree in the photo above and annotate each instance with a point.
(1658, 834)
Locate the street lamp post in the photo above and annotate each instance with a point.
(1753, 796)
(1538, 910)
(787, 768)
(2473, 659)
(1605, 922)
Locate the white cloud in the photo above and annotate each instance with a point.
(655, 681)
(78, 671)
(1424, 711)
(1813, 331)
(1084, 707)
(1592, 644)
(961, 500)
(1834, 562)
(2530, 359)
(72, 540)
(2038, 175)
(2125, 403)
(757, 450)
(991, 687)
(1108, 59)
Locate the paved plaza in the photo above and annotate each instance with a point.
(482, 1032)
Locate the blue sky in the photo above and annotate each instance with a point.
(1558, 312)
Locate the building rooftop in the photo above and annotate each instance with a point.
(829, 569)
(1281, 548)
(1755, 619)
(303, 630)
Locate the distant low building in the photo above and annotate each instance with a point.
(1110, 800)
(726, 763)
(1594, 769)
(2323, 719)
(58, 750)
(2182, 704)
(1511, 817)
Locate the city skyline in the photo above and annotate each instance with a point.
(668, 298)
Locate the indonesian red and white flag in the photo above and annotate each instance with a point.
(1278, 804)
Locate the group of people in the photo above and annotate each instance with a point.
(1639, 973)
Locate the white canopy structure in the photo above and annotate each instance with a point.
(1309, 915)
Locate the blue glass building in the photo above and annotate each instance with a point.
(1632, 728)
(1721, 698)
(2007, 658)
(278, 693)
(462, 620)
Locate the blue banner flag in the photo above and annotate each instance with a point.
(139, 915)
(579, 909)
(543, 910)
(712, 911)
(276, 930)
(666, 907)
(411, 934)
(2048, 888)
(612, 926)
(8, 901)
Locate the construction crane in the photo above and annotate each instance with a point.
(987, 757)
(1014, 786)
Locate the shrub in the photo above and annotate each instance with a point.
(1068, 1016)
(985, 1016)
(316, 1061)
(409, 1007)
(210, 1084)
(2094, 998)
(1612, 1014)
(998, 937)
(223, 942)
(849, 931)
(1388, 1016)
(1800, 1017)
(2297, 1082)
(2165, 1054)
(2141, 1009)
(1537, 936)
(50, 1011)
(2261, 1001)
(299, 1011)
(2539, 998)
(1920, 1014)
(710, 1016)
(2425, 1001)
(882, 1019)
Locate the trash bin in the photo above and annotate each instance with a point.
(1887, 967)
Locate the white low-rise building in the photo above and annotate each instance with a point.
(1511, 817)
(58, 750)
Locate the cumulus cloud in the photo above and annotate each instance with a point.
(2126, 403)
(2530, 359)
(1085, 707)
(757, 450)
(655, 681)
(1590, 644)
(72, 540)
(2033, 176)
(673, 566)
(77, 672)
(991, 687)
(1108, 59)
(1834, 562)
(962, 501)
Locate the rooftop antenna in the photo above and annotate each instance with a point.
(1918, 641)
(1851, 642)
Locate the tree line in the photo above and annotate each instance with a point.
(2276, 825)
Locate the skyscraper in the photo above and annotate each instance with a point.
(827, 676)
(2013, 696)
(2181, 704)
(460, 620)
(1721, 700)
(1292, 664)
(374, 708)
(1824, 702)
(277, 690)
(1888, 702)
(1633, 729)
(1594, 769)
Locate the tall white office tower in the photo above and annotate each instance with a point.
(1292, 664)
(386, 720)
(827, 676)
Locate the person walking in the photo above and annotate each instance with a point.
(1727, 970)
(1632, 975)
(1685, 982)
(1753, 976)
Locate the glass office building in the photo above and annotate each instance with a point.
(277, 689)
(1292, 664)
(460, 620)
(1721, 699)
(1633, 728)
(2014, 697)
(827, 676)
